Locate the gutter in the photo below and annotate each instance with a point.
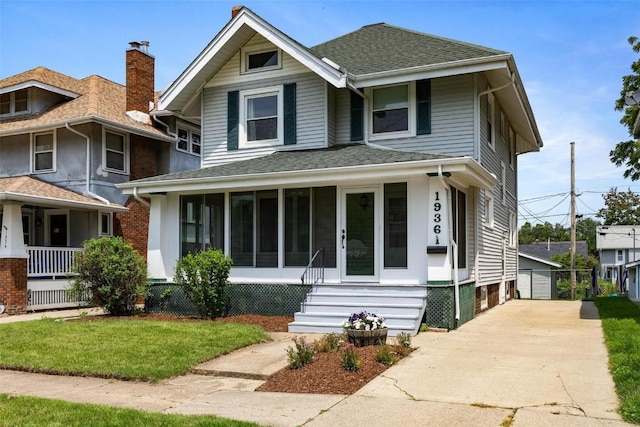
(454, 246)
(88, 169)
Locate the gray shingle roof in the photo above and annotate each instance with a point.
(546, 250)
(381, 47)
(300, 160)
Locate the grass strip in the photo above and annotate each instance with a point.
(621, 326)
(30, 411)
(121, 348)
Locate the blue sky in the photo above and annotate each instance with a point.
(571, 56)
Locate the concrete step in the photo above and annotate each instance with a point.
(350, 307)
(370, 288)
(328, 328)
(364, 299)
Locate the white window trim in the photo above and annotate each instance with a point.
(513, 230)
(53, 156)
(503, 180)
(512, 148)
(190, 131)
(484, 298)
(488, 210)
(12, 104)
(109, 225)
(104, 151)
(491, 117)
(412, 113)
(246, 52)
(256, 93)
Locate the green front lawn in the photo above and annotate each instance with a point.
(123, 348)
(621, 326)
(31, 411)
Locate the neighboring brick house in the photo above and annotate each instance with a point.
(64, 144)
(391, 152)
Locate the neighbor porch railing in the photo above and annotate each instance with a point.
(50, 262)
(314, 272)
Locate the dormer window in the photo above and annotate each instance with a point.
(261, 60)
(14, 102)
(189, 141)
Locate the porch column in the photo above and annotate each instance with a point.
(157, 239)
(13, 260)
(439, 256)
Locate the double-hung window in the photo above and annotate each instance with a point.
(44, 152)
(189, 141)
(114, 154)
(261, 117)
(391, 112)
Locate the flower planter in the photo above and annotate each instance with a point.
(360, 338)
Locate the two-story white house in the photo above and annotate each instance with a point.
(64, 144)
(386, 158)
(619, 251)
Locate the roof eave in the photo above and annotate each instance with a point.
(444, 69)
(473, 172)
(57, 202)
(167, 100)
(41, 85)
(82, 120)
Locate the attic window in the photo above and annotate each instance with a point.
(14, 102)
(260, 60)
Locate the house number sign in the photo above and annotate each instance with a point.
(438, 229)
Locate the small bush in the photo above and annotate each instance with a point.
(111, 273)
(350, 358)
(403, 339)
(203, 277)
(329, 343)
(300, 355)
(385, 356)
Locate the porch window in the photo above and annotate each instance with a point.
(254, 237)
(44, 147)
(105, 224)
(115, 152)
(202, 222)
(484, 299)
(459, 215)
(395, 225)
(310, 224)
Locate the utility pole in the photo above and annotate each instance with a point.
(573, 222)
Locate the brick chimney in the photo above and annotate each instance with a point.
(235, 10)
(140, 77)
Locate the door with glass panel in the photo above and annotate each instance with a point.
(359, 234)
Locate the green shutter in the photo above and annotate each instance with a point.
(357, 117)
(289, 104)
(233, 113)
(423, 100)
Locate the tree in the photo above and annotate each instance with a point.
(586, 230)
(628, 152)
(111, 274)
(621, 208)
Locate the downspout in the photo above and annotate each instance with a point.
(88, 170)
(454, 246)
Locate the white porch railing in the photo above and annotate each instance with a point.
(50, 262)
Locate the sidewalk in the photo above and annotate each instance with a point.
(536, 363)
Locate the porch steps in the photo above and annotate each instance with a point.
(327, 306)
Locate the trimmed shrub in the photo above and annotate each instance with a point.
(203, 276)
(111, 273)
(300, 355)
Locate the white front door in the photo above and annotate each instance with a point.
(359, 235)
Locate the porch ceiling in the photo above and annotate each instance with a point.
(30, 190)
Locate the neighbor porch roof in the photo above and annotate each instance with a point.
(33, 191)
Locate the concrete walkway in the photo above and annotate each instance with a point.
(534, 363)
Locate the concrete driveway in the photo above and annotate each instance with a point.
(528, 363)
